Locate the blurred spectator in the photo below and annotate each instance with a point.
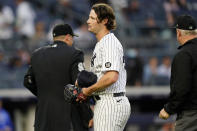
(150, 27)
(13, 63)
(41, 10)
(165, 68)
(150, 72)
(183, 5)
(24, 57)
(25, 17)
(81, 11)
(164, 72)
(120, 7)
(6, 22)
(134, 11)
(71, 11)
(171, 7)
(135, 14)
(5, 120)
(2, 70)
(20, 67)
(39, 38)
(1, 59)
(170, 19)
(134, 6)
(85, 39)
(150, 22)
(13, 75)
(62, 9)
(184, 8)
(134, 67)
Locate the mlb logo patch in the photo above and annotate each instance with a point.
(107, 64)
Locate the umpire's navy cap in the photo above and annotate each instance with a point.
(185, 22)
(63, 29)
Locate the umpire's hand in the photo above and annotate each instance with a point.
(90, 125)
(163, 114)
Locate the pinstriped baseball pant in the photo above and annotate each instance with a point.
(111, 113)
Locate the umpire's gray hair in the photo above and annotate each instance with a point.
(188, 32)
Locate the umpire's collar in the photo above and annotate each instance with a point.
(60, 42)
(192, 41)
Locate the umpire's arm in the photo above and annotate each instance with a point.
(181, 82)
(29, 80)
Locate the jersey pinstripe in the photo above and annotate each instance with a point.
(108, 55)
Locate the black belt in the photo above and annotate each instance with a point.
(97, 97)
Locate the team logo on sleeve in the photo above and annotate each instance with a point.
(107, 64)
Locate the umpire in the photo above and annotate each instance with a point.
(51, 68)
(183, 84)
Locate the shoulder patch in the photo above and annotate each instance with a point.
(81, 66)
(107, 64)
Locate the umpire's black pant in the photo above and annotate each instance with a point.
(186, 121)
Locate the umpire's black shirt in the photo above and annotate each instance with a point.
(183, 84)
(53, 67)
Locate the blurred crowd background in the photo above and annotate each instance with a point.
(143, 27)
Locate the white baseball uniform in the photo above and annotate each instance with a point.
(112, 109)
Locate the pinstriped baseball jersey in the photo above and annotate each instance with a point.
(110, 113)
(108, 55)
